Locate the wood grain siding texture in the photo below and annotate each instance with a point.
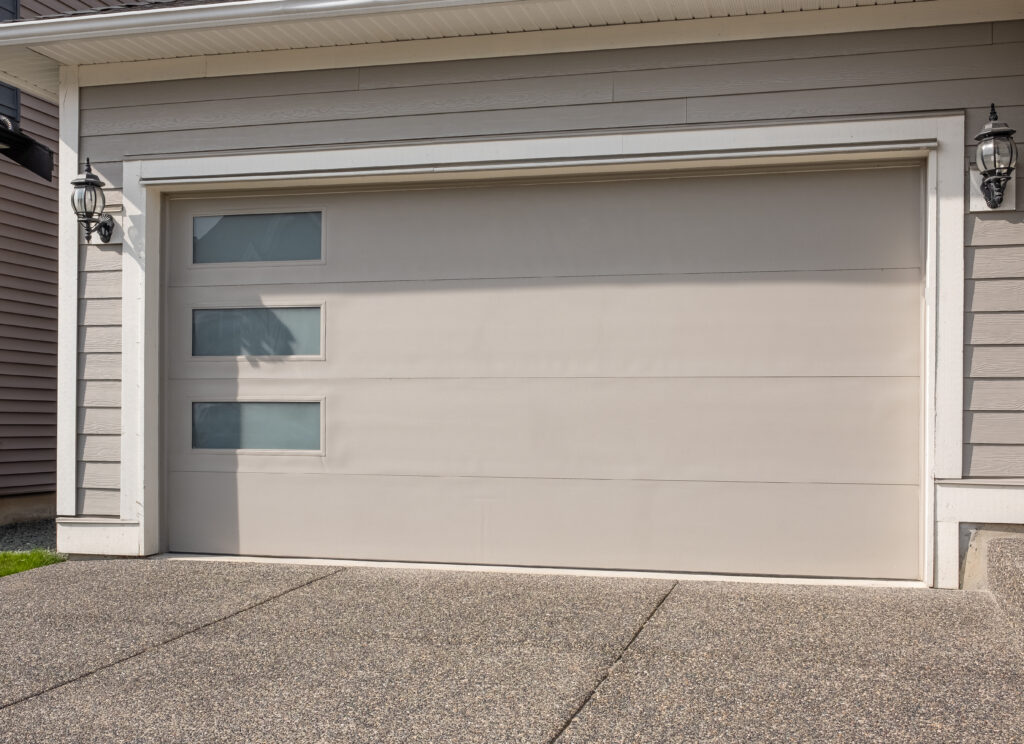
(99, 373)
(28, 252)
(28, 316)
(862, 74)
(994, 335)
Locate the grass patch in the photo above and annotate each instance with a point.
(15, 561)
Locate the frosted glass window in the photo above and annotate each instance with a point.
(264, 426)
(256, 331)
(256, 237)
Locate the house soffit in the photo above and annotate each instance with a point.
(32, 51)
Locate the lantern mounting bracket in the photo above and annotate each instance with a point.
(104, 227)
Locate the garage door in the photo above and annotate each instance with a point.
(715, 373)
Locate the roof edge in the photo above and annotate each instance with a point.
(42, 31)
(183, 18)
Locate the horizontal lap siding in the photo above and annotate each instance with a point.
(37, 207)
(994, 334)
(28, 315)
(862, 74)
(99, 374)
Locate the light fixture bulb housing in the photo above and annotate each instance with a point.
(996, 158)
(88, 202)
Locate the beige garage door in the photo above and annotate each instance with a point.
(710, 373)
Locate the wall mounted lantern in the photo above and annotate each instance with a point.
(88, 202)
(997, 157)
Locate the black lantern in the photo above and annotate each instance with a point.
(88, 202)
(997, 157)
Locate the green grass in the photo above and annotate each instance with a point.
(12, 562)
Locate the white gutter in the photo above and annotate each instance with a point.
(127, 22)
(220, 15)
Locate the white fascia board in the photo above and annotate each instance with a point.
(218, 15)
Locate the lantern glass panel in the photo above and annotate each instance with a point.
(99, 201)
(997, 154)
(87, 201)
(78, 199)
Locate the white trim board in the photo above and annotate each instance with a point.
(97, 536)
(681, 148)
(935, 140)
(956, 503)
(67, 298)
(546, 571)
(140, 357)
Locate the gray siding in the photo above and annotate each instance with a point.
(870, 74)
(28, 315)
(994, 334)
(28, 302)
(99, 373)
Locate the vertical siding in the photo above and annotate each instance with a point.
(28, 315)
(863, 74)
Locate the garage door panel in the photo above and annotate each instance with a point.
(824, 430)
(862, 323)
(801, 529)
(841, 430)
(712, 373)
(706, 224)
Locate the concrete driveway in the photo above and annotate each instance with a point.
(185, 651)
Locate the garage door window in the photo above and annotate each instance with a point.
(256, 425)
(236, 238)
(256, 331)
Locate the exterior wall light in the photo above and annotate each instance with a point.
(88, 202)
(997, 157)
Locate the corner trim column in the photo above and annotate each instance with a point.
(936, 141)
(140, 356)
(67, 298)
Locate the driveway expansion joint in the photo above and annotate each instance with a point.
(166, 641)
(607, 672)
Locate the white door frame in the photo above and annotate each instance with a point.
(935, 141)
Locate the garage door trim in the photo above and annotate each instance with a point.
(936, 140)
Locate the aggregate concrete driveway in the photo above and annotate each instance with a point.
(181, 651)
